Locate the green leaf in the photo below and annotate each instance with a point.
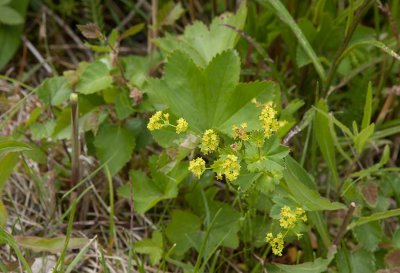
(343, 127)
(10, 34)
(370, 42)
(12, 146)
(367, 108)
(361, 138)
(374, 217)
(4, 2)
(169, 13)
(136, 69)
(325, 140)
(132, 31)
(7, 164)
(114, 146)
(310, 199)
(42, 131)
(202, 43)
(147, 192)
(319, 265)
(53, 245)
(272, 159)
(396, 238)
(153, 247)
(182, 225)
(207, 98)
(3, 215)
(317, 219)
(10, 16)
(222, 232)
(123, 105)
(54, 91)
(374, 168)
(94, 78)
(369, 235)
(363, 261)
(285, 16)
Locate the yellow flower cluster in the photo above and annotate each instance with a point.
(197, 166)
(275, 243)
(230, 167)
(209, 142)
(181, 126)
(268, 120)
(240, 132)
(289, 218)
(158, 121)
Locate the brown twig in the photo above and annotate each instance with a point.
(346, 221)
(75, 140)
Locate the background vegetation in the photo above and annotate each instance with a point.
(302, 98)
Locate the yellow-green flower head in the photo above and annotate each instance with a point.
(209, 141)
(197, 166)
(240, 132)
(289, 218)
(276, 243)
(158, 121)
(231, 167)
(268, 120)
(181, 126)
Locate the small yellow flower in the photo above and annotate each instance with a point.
(197, 166)
(268, 120)
(209, 142)
(240, 132)
(155, 121)
(231, 167)
(269, 237)
(276, 243)
(289, 218)
(228, 166)
(166, 118)
(181, 126)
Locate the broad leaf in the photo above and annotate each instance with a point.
(114, 145)
(10, 16)
(368, 235)
(95, 77)
(153, 247)
(221, 231)
(10, 34)
(148, 191)
(183, 224)
(208, 98)
(54, 91)
(202, 43)
(363, 261)
(310, 199)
